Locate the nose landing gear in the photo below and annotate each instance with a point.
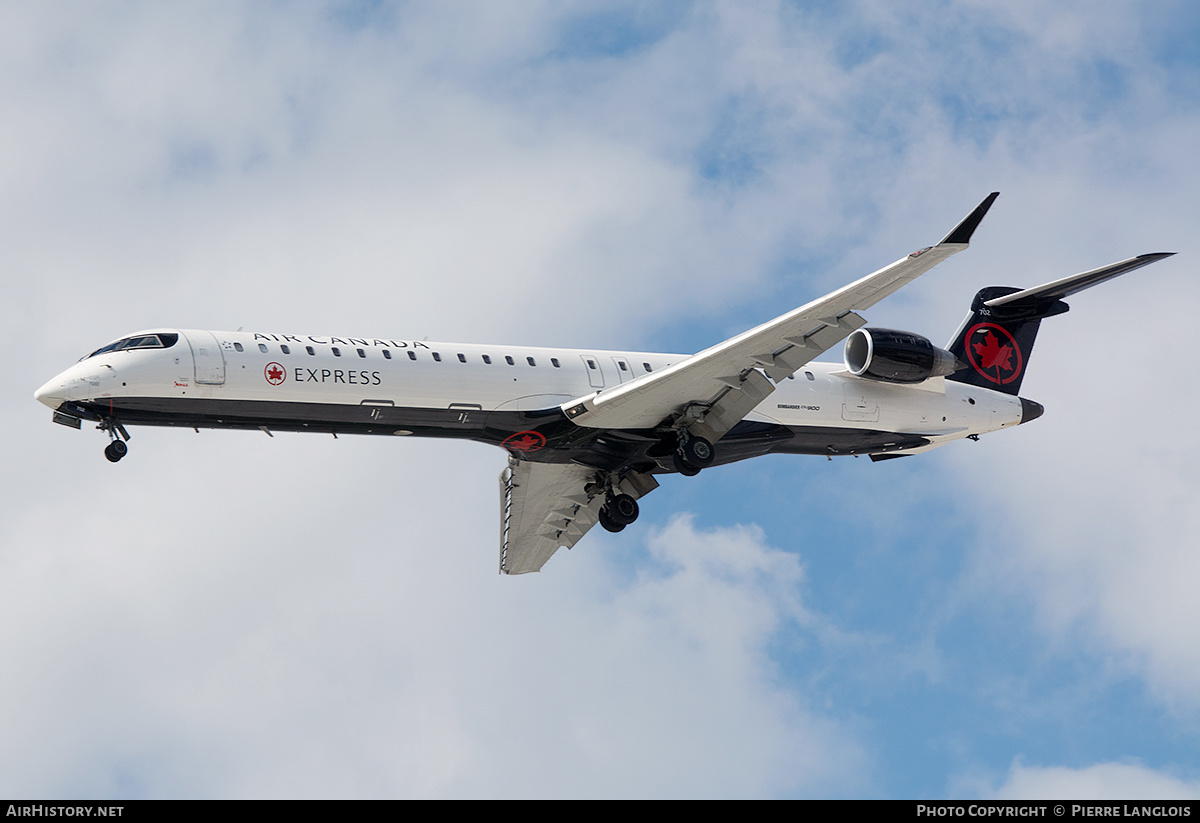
(116, 449)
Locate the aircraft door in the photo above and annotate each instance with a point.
(591, 365)
(209, 359)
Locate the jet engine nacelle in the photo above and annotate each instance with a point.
(896, 356)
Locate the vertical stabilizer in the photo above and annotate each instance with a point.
(996, 343)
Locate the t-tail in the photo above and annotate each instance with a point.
(996, 339)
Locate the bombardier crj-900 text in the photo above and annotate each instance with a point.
(587, 431)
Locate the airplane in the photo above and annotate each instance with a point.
(588, 431)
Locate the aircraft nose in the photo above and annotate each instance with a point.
(53, 394)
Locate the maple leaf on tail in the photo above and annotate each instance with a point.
(992, 355)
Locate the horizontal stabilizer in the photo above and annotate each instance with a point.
(1076, 282)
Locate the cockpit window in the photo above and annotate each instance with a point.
(164, 340)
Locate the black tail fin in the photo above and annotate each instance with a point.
(995, 343)
(996, 339)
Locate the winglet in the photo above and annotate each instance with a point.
(963, 231)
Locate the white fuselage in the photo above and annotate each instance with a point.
(251, 376)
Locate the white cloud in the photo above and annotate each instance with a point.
(259, 661)
(1103, 781)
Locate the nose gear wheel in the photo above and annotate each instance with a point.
(117, 448)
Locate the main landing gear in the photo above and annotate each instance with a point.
(116, 449)
(617, 492)
(693, 454)
(618, 512)
(620, 489)
(619, 509)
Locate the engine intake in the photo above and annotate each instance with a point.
(896, 356)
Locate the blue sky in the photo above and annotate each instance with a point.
(227, 615)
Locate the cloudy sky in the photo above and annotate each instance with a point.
(229, 615)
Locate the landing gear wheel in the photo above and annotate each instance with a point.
(699, 452)
(683, 467)
(622, 509)
(115, 450)
(607, 522)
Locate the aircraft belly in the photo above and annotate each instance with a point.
(846, 440)
(534, 435)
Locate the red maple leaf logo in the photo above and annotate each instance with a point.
(529, 441)
(998, 362)
(274, 374)
(992, 355)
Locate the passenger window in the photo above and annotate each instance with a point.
(283, 348)
(809, 375)
(387, 354)
(238, 347)
(621, 365)
(591, 364)
(462, 358)
(487, 359)
(530, 361)
(554, 362)
(262, 347)
(361, 353)
(646, 366)
(412, 355)
(309, 349)
(509, 360)
(336, 351)
(437, 357)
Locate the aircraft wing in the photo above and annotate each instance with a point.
(547, 505)
(723, 383)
